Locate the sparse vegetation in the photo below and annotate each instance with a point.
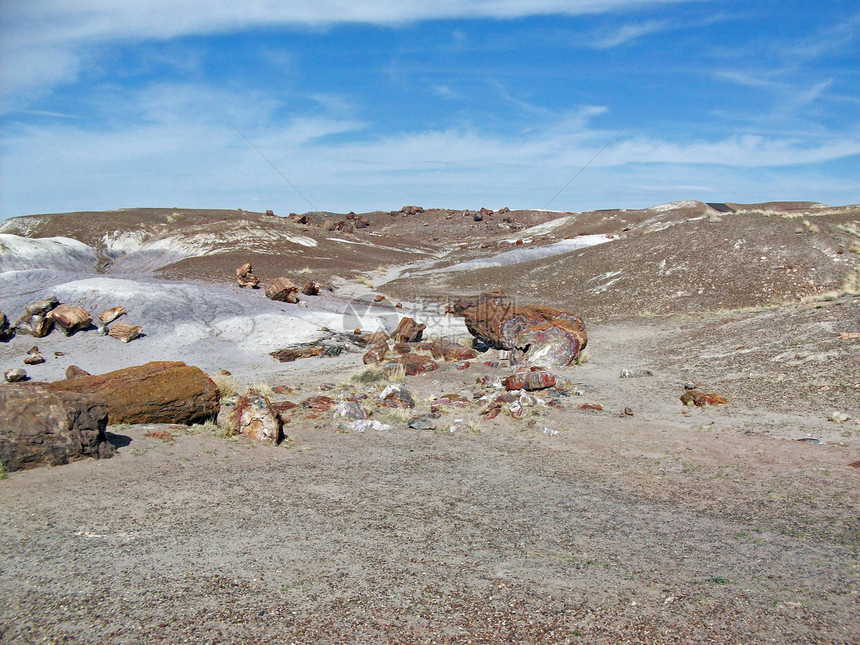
(3, 472)
(262, 388)
(226, 385)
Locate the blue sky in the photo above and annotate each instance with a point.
(367, 105)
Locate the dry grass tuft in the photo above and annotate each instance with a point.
(226, 385)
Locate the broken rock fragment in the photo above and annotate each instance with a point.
(283, 290)
(537, 380)
(6, 330)
(37, 325)
(415, 364)
(43, 306)
(125, 333)
(396, 395)
(70, 318)
(254, 416)
(700, 399)
(73, 371)
(245, 276)
(109, 315)
(15, 375)
(311, 289)
(408, 331)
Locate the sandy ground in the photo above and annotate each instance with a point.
(714, 526)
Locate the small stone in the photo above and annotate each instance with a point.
(700, 399)
(550, 432)
(73, 371)
(15, 375)
(591, 406)
(34, 359)
(636, 373)
(421, 423)
(70, 318)
(245, 276)
(839, 417)
(43, 306)
(537, 380)
(462, 365)
(283, 290)
(628, 412)
(396, 395)
(109, 315)
(349, 410)
(124, 332)
(164, 435)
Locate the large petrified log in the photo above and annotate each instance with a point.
(541, 335)
(158, 392)
(408, 331)
(40, 426)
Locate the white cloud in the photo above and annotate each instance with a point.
(629, 32)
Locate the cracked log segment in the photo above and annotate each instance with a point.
(158, 392)
(41, 427)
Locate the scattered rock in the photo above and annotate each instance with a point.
(396, 395)
(809, 440)
(408, 331)
(537, 380)
(37, 325)
(289, 355)
(318, 403)
(415, 364)
(245, 276)
(109, 315)
(6, 330)
(421, 423)
(164, 435)
(349, 410)
(699, 399)
(34, 358)
(591, 406)
(73, 371)
(375, 338)
(849, 335)
(41, 307)
(636, 373)
(70, 318)
(283, 389)
(443, 349)
(378, 298)
(375, 354)
(157, 392)
(462, 365)
(839, 417)
(855, 464)
(15, 375)
(459, 425)
(283, 290)
(550, 432)
(362, 425)
(39, 427)
(628, 412)
(125, 333)
(310, 289)
(254, 416)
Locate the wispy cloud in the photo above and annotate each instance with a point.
(628, 33)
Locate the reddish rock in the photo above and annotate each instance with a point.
(701, 399)
(39, 426)
(109, 315)
(591, 406)
(70, 318)
(283, 290)
(34, 358)
(375, 338)
(446, 350)
(538, 380)
(158, 392)
(462, 365)
(311, 289)
(245, 276)
(376, 354)
(402, 348)
(125, 333)
(283, 389)
(73, 371)
(318, 403)
(396, 395)
(289, 355)
(408, 331)
(547, 336)
(164, 435)
(378, 298)
(254, 416)
(415, 364)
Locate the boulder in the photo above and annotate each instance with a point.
(125, 333)
(158, 392)
(15, 375)
(39, 426)
(73, 371)
(70, 318)
(43, 306)
(543, 335)
(254, 416)
(6, 330)
(311, 289)
(109, 315)
(245, 276)
(37, 325)
(283, 290)
(537, 380)
(408, 331)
